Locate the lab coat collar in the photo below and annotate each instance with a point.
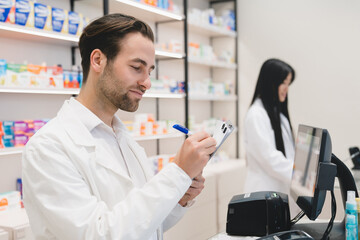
(78, 131)
(88, 118)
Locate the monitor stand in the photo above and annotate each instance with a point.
(317, 229)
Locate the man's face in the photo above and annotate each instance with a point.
(126, 78)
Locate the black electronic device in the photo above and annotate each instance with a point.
(355, 157)
(315, 168)
(313, 172)
(258, 214)
(288, 235)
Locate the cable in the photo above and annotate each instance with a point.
(331, 222)
(297, 218)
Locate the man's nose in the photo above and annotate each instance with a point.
(146, 82)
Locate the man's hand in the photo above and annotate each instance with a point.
(195, 153)
(194, 190)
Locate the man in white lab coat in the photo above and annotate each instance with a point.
(84, 176)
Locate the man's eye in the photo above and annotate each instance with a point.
(136, 68)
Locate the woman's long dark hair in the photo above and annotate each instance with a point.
(273, 73)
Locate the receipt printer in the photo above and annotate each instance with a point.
(258, 214)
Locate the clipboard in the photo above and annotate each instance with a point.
(221, 132)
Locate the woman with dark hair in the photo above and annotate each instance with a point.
(268, 135)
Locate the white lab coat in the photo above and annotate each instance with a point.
(72, 192)
(267, 168)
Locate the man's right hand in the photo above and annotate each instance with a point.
(195, 153)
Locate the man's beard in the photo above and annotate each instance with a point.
(119, 98)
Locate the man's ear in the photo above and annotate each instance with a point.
(97, 60)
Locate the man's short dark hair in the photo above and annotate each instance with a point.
(106, 33)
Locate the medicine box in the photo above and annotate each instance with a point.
(42, 16)
(7, 11)
(24, 13)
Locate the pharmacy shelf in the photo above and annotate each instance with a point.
(160, 136)
(165, 55)
(164, 95)
(33, 34)
(213, 64)
(205, 30)
(20, 32)
(210, 30)
(76, 92)
(19, 150)
(40, 91)
(143, 11)
(11, 151)
(212, 98)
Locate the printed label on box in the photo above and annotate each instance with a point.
(75, 23)
(42, 19)
(59, 20)
(7, 10)
(20, 140)
(2, 72)
(24, 13)
(8, 140)
(16, 75)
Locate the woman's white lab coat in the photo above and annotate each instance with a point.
(267, 168)
(72, 192)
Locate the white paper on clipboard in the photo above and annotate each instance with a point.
(221, 133)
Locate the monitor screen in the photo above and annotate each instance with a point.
(312, 147)
(307, 150)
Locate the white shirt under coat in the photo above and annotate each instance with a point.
(268, 168)
(85, 180)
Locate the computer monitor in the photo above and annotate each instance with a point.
(311, 175)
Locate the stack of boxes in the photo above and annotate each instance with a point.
(15, 75)
(18, 133)
(145, 125)
(40, 16)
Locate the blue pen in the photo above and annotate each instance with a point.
(182, 129)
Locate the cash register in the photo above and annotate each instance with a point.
(315, 169)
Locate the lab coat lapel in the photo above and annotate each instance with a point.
(113, 166)
(140, 156)
(82, 137)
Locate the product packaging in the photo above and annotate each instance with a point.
(8, 133)
(37, 124)
(42, 16)
(72, 78)
(2, 72)
(16, 75)
(75, 23)
(24, 13)
(37, 76)
(20, 140)
(7, 11)
(59, 20)
(10, 200)
(351, 225)
(55, 77)
(1, 134)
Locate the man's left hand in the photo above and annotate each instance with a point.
(194, 190)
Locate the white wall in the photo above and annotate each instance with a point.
(321, 40)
